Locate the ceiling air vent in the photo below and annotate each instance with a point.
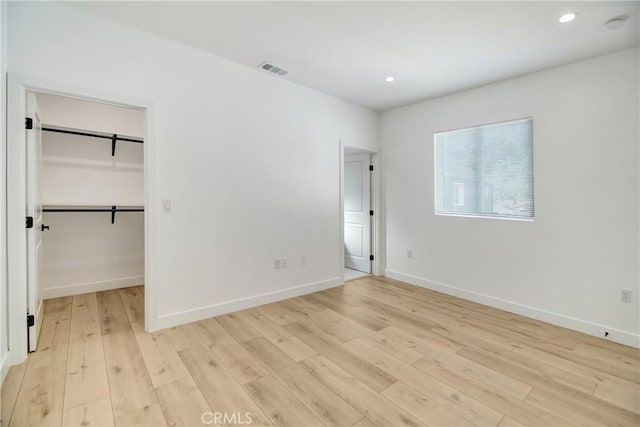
(273, 69)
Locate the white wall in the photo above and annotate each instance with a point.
(566, 267)
(92, 116)
(79, 170)
(249, 160)
(3, 240)
(84, 252)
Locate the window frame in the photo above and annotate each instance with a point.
(477, 215)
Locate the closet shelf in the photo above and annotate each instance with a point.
(113, 137)
(113, 209)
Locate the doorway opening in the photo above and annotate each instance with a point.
(358, 213)
(85, 192)
(78, 168)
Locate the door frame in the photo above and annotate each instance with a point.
(36, 134)
(17, 87)
(377, 266)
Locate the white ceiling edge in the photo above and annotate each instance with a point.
(433, 49)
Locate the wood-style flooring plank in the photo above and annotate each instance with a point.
(10, 389)
(95, 413)
(528, 370)
(243, 366)
(437, 359)
(472, 410)
(161, 359)
(368, 402)
(238, 327)
(284, 312)
(41, 397)
(618, 391)
(86, 368)
(184, 336)
(129, 383)
(347, 306)
(368, 373)
(281, 406)
(338, 326)
(582, 409)
(219, 387)
(326, 405)
(426, 410)
(282, 339)
(147, 416)
(182, 403)
(113, 317)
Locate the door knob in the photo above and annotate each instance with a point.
(44, 227)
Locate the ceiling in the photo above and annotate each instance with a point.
(348, 48)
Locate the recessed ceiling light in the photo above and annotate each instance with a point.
(389, 79)
(567, 17)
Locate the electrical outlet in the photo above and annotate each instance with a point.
(625, 295)
(276, 263)
(303, 260)
(409, 253)
(283, 262)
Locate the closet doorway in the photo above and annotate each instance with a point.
(89, 194)
(80, 180)
(358, 212)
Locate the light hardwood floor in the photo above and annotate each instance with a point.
(374, 352)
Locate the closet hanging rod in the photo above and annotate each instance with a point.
(114, 138)
(113, 210)
(92, 210)
(95, 135)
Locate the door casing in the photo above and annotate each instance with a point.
(16, 261)
(34, 209)
(377, 267)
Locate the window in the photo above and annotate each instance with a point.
(485, 170)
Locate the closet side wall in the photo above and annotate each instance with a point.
(84, 252)
(3, 238)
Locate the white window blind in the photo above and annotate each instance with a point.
(485, 170)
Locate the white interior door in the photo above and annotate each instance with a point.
(357, 219)
(34, 210)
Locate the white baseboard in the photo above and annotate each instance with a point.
(83, 288)
(193, 315)
(584, 326)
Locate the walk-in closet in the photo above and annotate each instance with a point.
(90, 186)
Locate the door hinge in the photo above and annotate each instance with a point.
(371, 213)
(29, 222)
(370, 167)
(31, 320)
(29, 123)
(370, 257)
